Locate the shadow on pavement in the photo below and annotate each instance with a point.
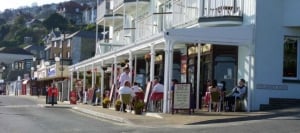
(246, 118)
(61, 107)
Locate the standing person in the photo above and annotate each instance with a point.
(52, 94)
(223, 91)
(125, 89)
(124, 77)
(85, 95)
(207, 93)
(237, 92)
(80, 94)
(48, 87)
(214, 88)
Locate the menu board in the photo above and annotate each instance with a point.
(147, 94)
(181, 98)
(112, 93)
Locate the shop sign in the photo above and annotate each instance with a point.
(51, 72)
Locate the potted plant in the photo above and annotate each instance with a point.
(138, 107)
(118, 105)
(105, 102)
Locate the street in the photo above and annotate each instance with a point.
(23, 115)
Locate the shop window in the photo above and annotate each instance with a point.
(290, 57)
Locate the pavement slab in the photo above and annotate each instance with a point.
(160, 119)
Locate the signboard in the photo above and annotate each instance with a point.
(147, 94)
(181, 96)
(112, 92)
(51, 72)
(271, 87)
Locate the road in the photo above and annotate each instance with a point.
(23, 115)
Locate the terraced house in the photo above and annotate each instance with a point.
(196, 40)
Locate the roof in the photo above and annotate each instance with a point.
(70, 6)
(85, 34)
(15, 51)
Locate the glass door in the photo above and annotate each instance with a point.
(225, 70)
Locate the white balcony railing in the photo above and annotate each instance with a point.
(120, 37)
(215, 8)
(185, 11)
(117, 3)
(101, 10)
(145, 27)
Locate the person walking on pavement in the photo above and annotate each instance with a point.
(124, 77)
(52, 95)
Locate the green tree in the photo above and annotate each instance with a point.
(56, 21)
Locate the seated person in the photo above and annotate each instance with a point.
(136, 88)
(157, 87)
(138, 92)
(126, 90)
(237, 92)
(157, 90)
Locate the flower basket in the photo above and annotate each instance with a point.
(138, 107)
(105, 102)
(118, 105)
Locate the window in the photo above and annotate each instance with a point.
(68, 55)
(290, 57)
(55, 44)
(69, 42)
(61, 44)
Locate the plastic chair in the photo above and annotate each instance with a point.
(157, 97)
(215, 98)
(125, 99)
(238, 100)
(139, 95)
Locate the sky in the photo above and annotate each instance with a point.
(13, 4)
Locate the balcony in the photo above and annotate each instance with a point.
(145, 27)
(221, 12)
(105, 15)
(130, 5)
(108, 47)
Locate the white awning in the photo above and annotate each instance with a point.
(234, 35)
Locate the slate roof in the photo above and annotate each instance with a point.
(15, 51)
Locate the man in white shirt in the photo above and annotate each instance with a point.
(157, 87)
(124, 76)
(157, 98)
(238, 92)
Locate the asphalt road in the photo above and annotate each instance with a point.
(23, 115)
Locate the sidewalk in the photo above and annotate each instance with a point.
(199, 117)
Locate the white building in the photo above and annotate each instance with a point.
(211, 39)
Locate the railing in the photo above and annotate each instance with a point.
(118, 3)
(119, 37)
(145, 27)
(215, 8)
(101, 10)
(108, 47)
(184, 11)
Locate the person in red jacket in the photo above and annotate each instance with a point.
(52, 94)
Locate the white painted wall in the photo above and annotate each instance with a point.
(291, 12)
(269, 51)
